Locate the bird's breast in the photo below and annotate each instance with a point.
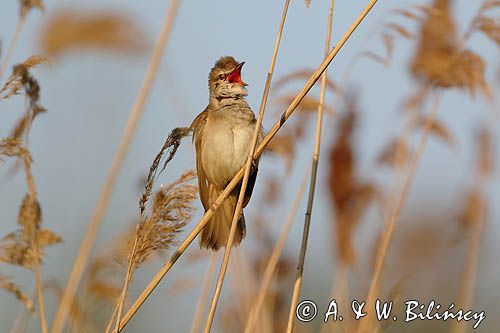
(225, 147)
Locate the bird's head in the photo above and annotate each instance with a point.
(225, 81)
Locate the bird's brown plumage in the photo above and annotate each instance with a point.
(222, 135)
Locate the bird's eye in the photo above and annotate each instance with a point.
(221, 76)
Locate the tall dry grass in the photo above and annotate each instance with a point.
(443, 60)
(312, 184)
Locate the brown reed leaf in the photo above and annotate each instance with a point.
(435, 9)
(407, 13)
(484, 153)
(388, 34)
(47, 237)
(22, 124)
(398, 28)
(171, 210)
(27, 5)
(308, 104)
(283, 145)
(20, 77)
(14, 250)
(388, 40)
(7, 285)
(348, 219)
(342, 163)
(12, 147)
(415, 101)
(388, 155)
(72, 29)
(438, 129)
(375, 57)
(78, 310)
(296, 130)
(102, 280)
(104, 290)
(272, 191)
(303, 75)
(351, 196)
(171, 145)
(490, 27)
(472, 207)
(182, 285)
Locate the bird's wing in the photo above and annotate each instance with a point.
(253, 173)
(250, 185)
(197, 127)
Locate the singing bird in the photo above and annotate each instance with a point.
(222, 135)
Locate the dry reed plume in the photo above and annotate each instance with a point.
(75, 30)
(170, 211)
(265, 286)
(102, 203)
(25, 247)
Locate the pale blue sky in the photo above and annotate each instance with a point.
(89, 95)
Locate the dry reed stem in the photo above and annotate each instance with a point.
(102, 203)
(273, 259)
(29, 213)
(248, 166)
(469, 274)
(475, 218)
(110, 320)
(399, 159)
(312, 185)
(170, 212)
(128, 277)
(20, 323)
(7, 285)
(237, 178)
(204, 293)
(39, 288)
(34, 240)
(243, 274)
(36, 254)
(12, 44)
(35, 227)
(36, 248)
(366, 325)
(339, 292)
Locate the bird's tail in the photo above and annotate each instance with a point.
(216, 232)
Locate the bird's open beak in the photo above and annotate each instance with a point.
(235, 76)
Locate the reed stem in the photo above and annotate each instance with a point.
(273, 260)
(105, 195)
(366, 325)
(237, 178)
(248, 166)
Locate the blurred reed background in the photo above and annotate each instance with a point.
(405, 203)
